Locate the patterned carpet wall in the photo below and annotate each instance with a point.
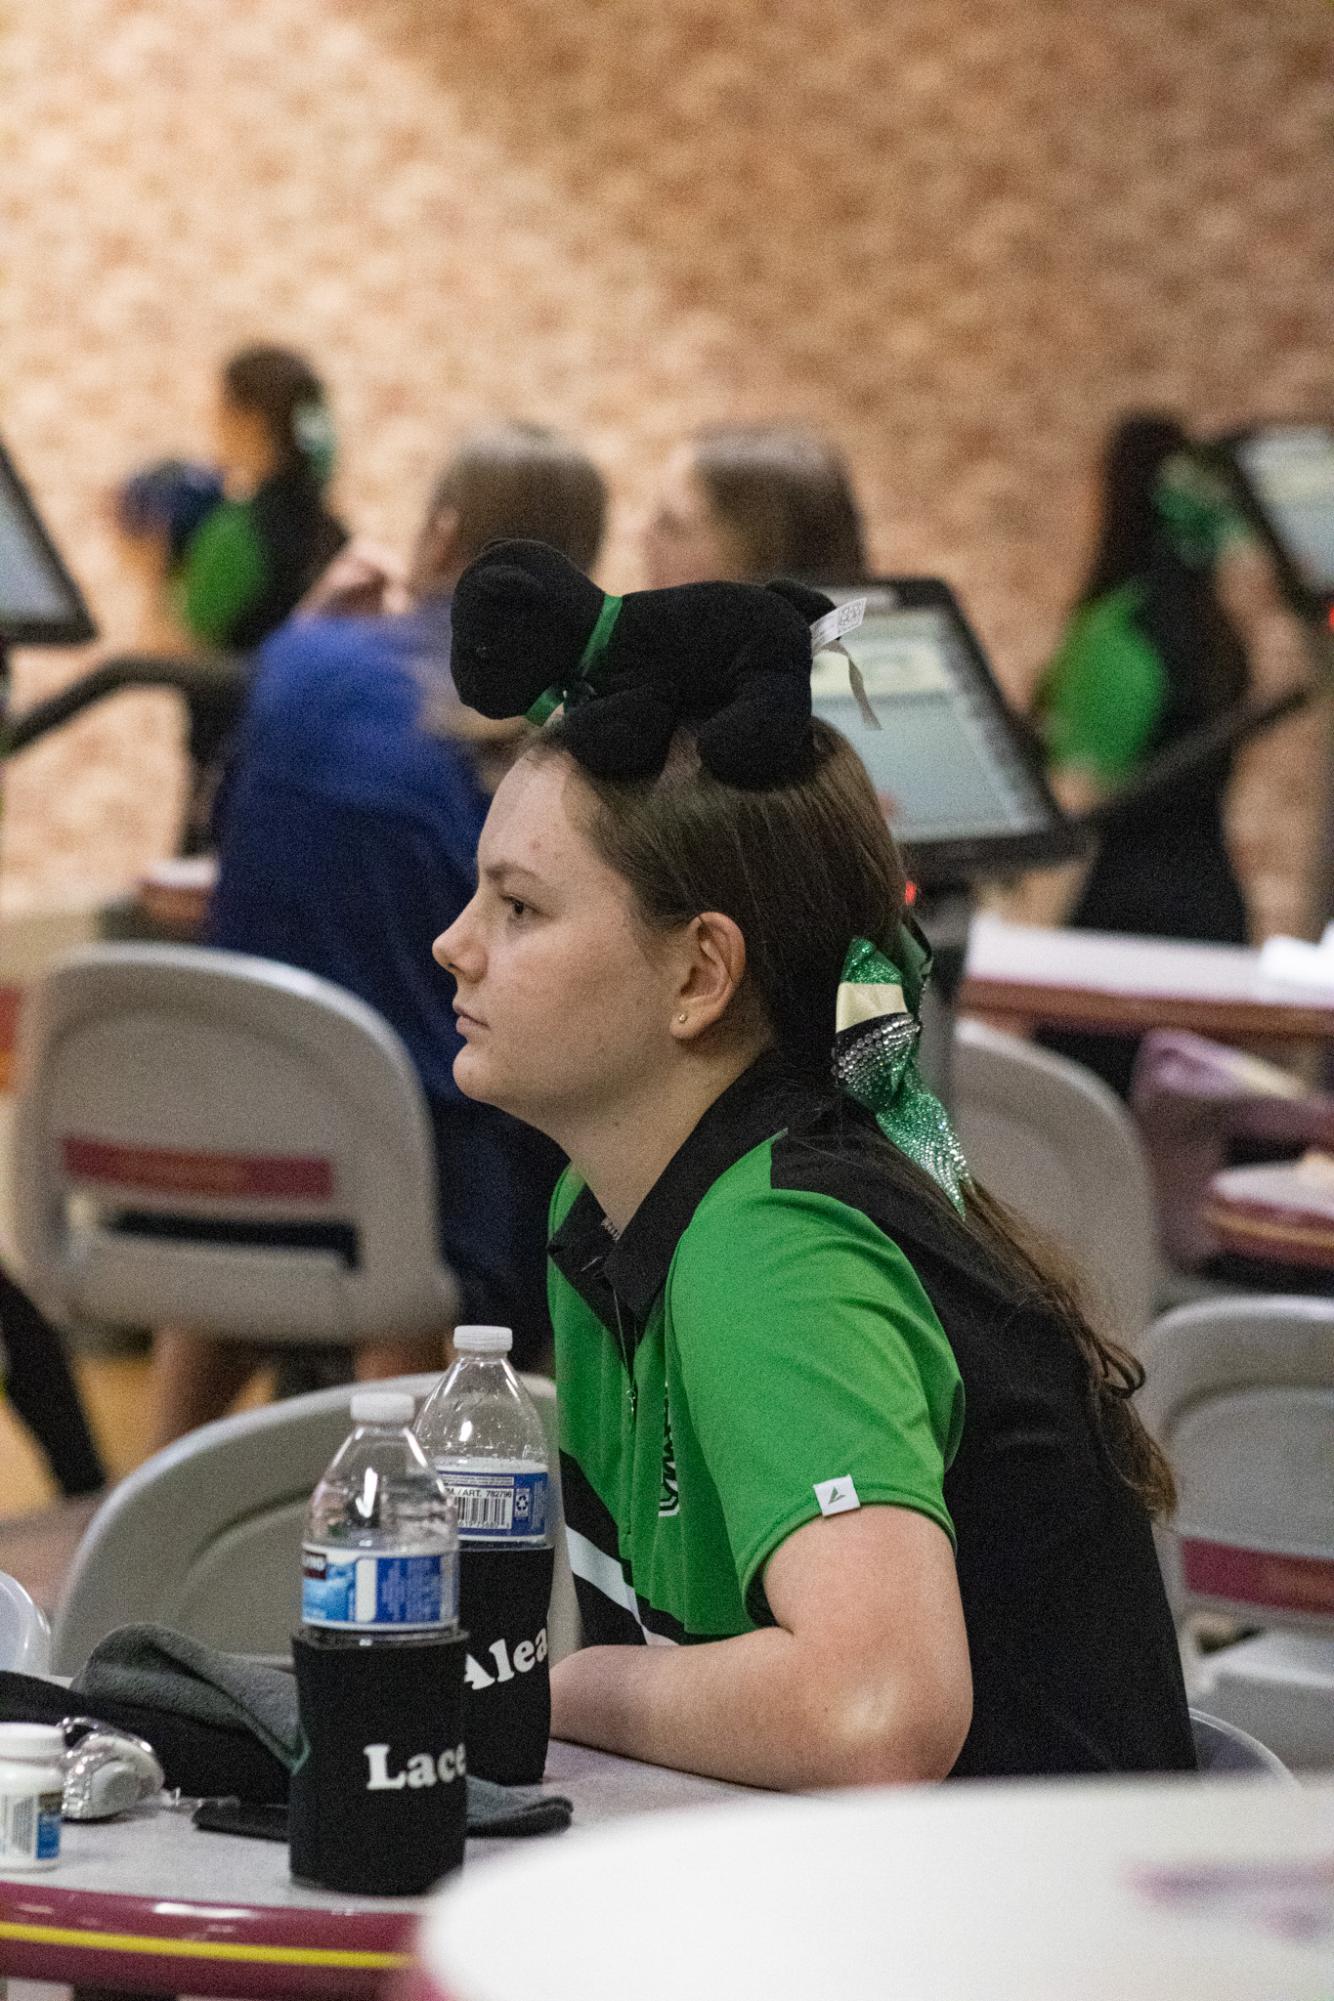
(960, 238)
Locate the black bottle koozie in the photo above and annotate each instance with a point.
(504, 1595)
(379, 1801)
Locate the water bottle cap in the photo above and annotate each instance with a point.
(483, 1340)
(383, 1407)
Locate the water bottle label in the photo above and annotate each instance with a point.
(400, 1591)
(501, 1506)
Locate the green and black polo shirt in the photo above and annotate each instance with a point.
(251, 561)
(795, 1323)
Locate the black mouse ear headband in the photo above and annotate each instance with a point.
(587, 670)
(729, 661)
(531, 633)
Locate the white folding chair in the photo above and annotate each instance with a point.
(205, 1536)
(226, 1144)
(25, 1637)
(1225, 1751)
(1049, 1139)
(1240, 1393)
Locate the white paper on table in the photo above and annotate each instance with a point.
(1295, 962)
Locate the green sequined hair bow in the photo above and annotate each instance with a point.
(875, 1055)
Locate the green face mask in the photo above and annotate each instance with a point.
(875, 1055)
(1195, 507)
(313, 429)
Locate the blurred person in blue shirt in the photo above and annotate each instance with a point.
(347, 840)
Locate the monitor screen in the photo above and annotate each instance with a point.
(956, 771)
(40, 604)
(1286, 473)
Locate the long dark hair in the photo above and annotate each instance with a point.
(802, 869)
(787, 496)
(1179, 609)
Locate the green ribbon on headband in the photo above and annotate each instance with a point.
(585, 678)
(875, 1055)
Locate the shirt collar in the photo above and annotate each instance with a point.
(761, 1102)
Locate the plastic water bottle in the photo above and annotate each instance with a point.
(484, 1436)
(380, 1557)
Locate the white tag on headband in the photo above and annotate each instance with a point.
(827, 635)
(844, 618)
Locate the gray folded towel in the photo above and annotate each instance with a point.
(152, 1667)
(155, 1668)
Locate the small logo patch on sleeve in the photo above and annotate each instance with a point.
(836, 1497)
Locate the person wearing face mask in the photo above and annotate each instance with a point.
(253, 559)
(1150, 654)
(854, 1491)
(744, 503)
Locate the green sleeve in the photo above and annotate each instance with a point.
(563, 1198)
(223, 573)
(1104, 692)
(809, 1353)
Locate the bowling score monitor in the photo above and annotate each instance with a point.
(958, 773)
(40, 603)
(1284, 478)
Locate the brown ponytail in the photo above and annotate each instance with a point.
(1113, 1372)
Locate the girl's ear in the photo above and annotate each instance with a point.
(714, 971)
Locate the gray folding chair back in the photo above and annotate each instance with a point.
(25, 1637)
(223, 1143)
(1240, 1393)
(1224, 1751)
(1049, 1139)
(205, 1537)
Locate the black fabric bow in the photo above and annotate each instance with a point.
(731, 660)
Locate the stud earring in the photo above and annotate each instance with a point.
(683, 1017)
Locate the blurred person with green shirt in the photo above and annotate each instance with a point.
(1149, 655)
(254, 557)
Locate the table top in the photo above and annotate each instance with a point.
(1281, 1211)
(151, 1903)
(1102, 980)
(1161, 1889)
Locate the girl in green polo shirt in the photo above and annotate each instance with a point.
(1148, 656)
(256, 555)
(853, 1490)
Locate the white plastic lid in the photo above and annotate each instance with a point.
(383, 1407)
(32, 1743)
(483, 1340)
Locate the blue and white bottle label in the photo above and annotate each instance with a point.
(48, 1827)
(29, 1829)
(399, 1591)
(504, 1505)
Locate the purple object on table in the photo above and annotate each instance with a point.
(1192, 1099)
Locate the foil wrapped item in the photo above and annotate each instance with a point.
(107, 1770)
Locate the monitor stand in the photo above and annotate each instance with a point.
(944, 914)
